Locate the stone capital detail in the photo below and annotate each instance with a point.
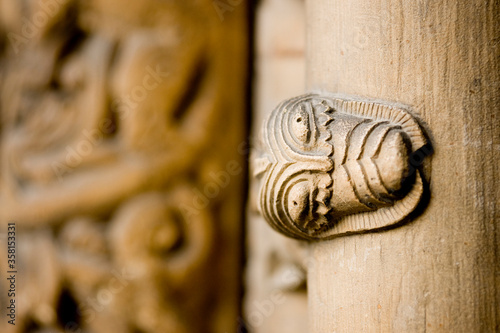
(331, 166)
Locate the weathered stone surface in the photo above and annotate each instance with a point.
(440, 272)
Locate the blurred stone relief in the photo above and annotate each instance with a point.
(127, 197)
(276, 274)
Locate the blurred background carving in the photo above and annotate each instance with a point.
(120, 128)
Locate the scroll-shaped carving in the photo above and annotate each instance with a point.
(334, 166)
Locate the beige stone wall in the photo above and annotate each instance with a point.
(120, 125)
(276, 298)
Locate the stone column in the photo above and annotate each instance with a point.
(439, 272)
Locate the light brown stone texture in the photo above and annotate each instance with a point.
(120, 128)
(276, 299)
(440, 272)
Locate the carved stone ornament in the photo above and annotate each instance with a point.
(334, 166)
(116, 126)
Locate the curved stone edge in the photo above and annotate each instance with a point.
(381, 218)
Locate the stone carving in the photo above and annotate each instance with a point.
(334, 166)
(111, 117)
